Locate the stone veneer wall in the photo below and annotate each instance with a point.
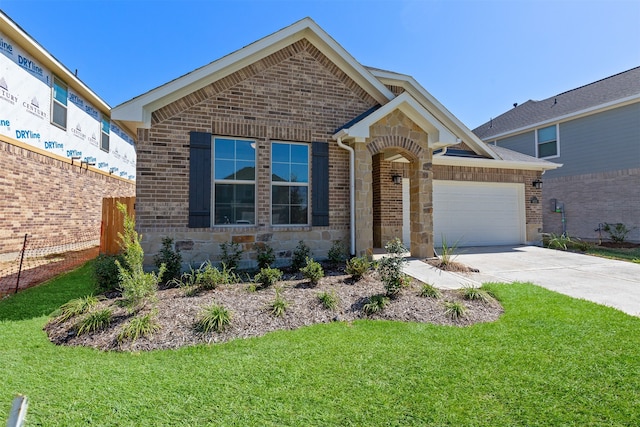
(533, 211)
(295, 94)
(48, 198)
(593, 199)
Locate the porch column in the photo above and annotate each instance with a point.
(364, 199)
(421, 189)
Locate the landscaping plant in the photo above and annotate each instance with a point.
(105, 272)
(139, 326)
(138, 288)
(357, 267)
(171, 258)
(338, 253)
(213, 318)
(429, 291)
(94, 321)
(279, 305)
(264, 255)
(268, 277)
(454, 309)
(390, 268)
(312, 271)
(375, 304)
(474, 293)
(329, 300)
(231, 254)
(300, 254)
(76, 307)
(617, 232)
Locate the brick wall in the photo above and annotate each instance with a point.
(387, 201)
(592, 199)
(50, 198)
(295, 94)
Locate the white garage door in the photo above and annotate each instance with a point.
(478, 213)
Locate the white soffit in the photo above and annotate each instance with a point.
(139, 109)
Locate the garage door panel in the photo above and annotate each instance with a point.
(477, 214)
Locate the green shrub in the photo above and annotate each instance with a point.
(329, 300)
(279, 305)
(357, 267)
(105, 272)
(76, 307)
(429, 291)
(300, 254)
(213, 318)
(231, 254)
(172, 260)
(312, 271)
(396, 247)
(455, 310)
(209, 277)
(95, 321)
(139, 326)
(559, 241)
(338, 253)
(390, 268)
(375, 304)
(264, 255)
(268, 277)
(617, 232)
(473, 293)
(137, 287)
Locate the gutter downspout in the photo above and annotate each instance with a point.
(352, 193)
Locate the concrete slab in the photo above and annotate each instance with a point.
(600, 280)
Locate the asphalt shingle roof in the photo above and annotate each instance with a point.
(610, 89)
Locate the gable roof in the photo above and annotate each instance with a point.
(137, 111)
(616, 90)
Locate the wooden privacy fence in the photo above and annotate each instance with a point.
(113, 223)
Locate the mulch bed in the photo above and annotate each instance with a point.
(177, 313)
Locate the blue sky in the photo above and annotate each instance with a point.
(476, 57)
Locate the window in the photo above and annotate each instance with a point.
(59, 103)
(289, 183)
(234, 177)
(547, 142)
(104, 139)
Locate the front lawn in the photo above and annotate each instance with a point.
(549, 360)
(625, 254)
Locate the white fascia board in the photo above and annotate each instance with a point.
(432, 104)
(139, 109)
(569, 116)
(26, 42)
(493, 163)
(438, 132)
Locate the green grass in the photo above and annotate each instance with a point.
(548, 361)
(631, 254)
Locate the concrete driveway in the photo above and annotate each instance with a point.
(608, 282)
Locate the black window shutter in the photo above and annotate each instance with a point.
(320, 184)
(199, 180)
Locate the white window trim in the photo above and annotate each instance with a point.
(290, 184)
(55, 101)
(557, 125)
(235, 181)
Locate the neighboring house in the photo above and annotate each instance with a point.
(60, 153)
(594, 132)
(291, 139)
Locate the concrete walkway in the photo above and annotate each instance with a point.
(603, 281)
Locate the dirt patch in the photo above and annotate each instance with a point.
(177, 313)
(453, 266)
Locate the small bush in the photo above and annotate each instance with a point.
(279, 305)
(357, 267)
(312, 271)
(329, 300)
(213, 318)
(268, 277)
(559, 241)
(172, 260)
(139, 326)
(76, 307)
(396, 247)
(473, 293)
(264, 255)
(455, 310)
(338, 253)
(300, 255)
(390, 269)
(105, 272)
(617, 232)
(95, 321)
(209, 277)
(429, 291)
(231, 254)
(376, 304)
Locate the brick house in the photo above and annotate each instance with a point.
(290, 139)
(594, 131)
(60, 152)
